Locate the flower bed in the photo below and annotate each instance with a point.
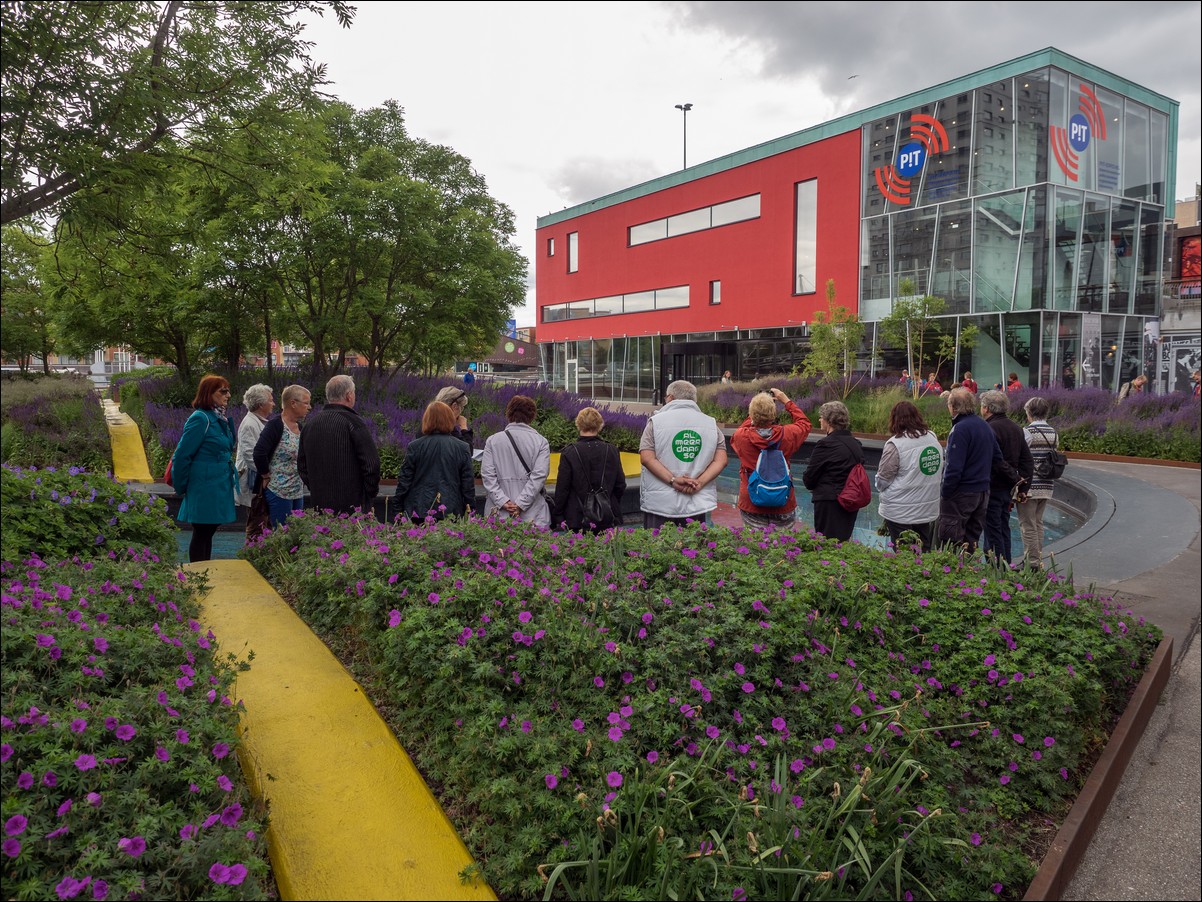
(117, 724)
(53, 421)
(720, 714)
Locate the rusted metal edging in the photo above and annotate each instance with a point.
(1060, 864)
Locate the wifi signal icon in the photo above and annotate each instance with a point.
(1094, 115)
(893, 186)
(930, 132)
(1066, 157)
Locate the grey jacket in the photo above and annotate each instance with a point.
(505, 479)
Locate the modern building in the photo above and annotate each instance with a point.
(1030, 196)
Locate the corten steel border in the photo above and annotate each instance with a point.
(1060, 864)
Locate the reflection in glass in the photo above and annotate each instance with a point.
(1030, 289)
(1031, 128)
(736, 210)
(806, 255)
(639, 301)
(693, 221)
(1137, 165)
(1067, 225)
(997, 240)
(1147, 293)
(913, 243)
(1107, 153)
(1094, 254)
(1122, 254)
(649, 231)
(993, 139)
(607, 306)
(667, 298)
(953, 257)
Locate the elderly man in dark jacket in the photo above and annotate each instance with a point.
(1018, 470)
(972, 452)
(338, 460)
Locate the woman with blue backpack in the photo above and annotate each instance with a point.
(764, 448)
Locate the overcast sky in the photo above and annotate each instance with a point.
(559, 103)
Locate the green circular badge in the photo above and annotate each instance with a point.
(928, 461)
(686, 445)
(509, 346)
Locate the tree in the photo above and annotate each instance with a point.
(25, 329)
(835, 337)
(93, 90)
(915, 324)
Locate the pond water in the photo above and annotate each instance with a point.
(1057, 523)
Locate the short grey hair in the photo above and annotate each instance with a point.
(835, 413)
(258, 395)
(451, 394)
(1037, 408)
(995, 402)
(682, 390)
(962, 401)
(339, 388)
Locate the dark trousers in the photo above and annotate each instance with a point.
(996, 538)
(200, 548)
(280, 508)
(924, 531)
(833, 521)
(961, 518)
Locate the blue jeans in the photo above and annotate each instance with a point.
(280, 508)
(996, 537)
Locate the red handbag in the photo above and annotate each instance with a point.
(857, 492)
(167, 474)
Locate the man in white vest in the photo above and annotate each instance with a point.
(682, 452)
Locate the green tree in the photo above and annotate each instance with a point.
(835, 337)
(92, 91)
(25, 327)
(917, 324)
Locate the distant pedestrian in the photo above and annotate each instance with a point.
(726, 380)
(1133, 387)
(469, 378)
(1013, 383)
(969, 382)
(338, 459)
(202, 466)
(1042, 439)
(1196, 379)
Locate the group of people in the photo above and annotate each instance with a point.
(271, 461)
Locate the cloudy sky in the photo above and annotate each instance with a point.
(556, 104)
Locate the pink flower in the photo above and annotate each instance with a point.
(551, 780)
(614, 779)
(220, 750)
(394, 618)
(85, 762)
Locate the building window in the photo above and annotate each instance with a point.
(573, 251)
(738, 210)
(715, 292)
(550, 247)
(805, 279)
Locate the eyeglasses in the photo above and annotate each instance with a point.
(223, 391)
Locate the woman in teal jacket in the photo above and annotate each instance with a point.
(202, 467)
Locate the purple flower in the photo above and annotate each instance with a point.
(223, 783)
(778, 724)
(94, 799)
(78, 725)
(15, 825)
(975, 839)
(132, 847)
(181, 736)
(25, 780)
(161, 753)
(1017, 737)
(615, 733)
(232, 875)
(551, 780)
(394, 618)
(6, 752)
(126, 732)
(69, 887)
(85, 762)
(578, 725)
(188, 831)
(220, 750)
(231, 815)
(652, 756)
(11, 847)
(749, 687)
(50, 778)
(598, 682)
(525, 617)
(1048, 741)
(614, 779)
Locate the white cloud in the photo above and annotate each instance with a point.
(556, 105)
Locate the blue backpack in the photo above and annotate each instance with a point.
(770, 483)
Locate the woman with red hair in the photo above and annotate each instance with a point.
(202, 466)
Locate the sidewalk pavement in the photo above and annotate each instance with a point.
(1143, 546)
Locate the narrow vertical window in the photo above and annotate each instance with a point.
(573, 251)
(805, 279)
(550, 247)
(716, 292)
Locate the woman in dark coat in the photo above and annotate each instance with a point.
(590, 463)
(826, 473)
(436, 476)
(202, 467)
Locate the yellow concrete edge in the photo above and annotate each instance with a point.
(129, 455)
(632, 466)
(350, 816)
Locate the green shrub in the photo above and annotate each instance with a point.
(62, 513)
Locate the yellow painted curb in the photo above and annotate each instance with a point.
(350, 816)
(632, 466)
(129, 456)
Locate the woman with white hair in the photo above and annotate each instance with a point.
(259, 401)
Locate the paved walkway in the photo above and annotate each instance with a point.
(129, 456)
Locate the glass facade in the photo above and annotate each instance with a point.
(1033, 206)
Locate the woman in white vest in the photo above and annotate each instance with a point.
(909, 474)
(682, 451)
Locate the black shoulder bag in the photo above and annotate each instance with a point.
(595, 504)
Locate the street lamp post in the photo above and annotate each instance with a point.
(684, 109)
